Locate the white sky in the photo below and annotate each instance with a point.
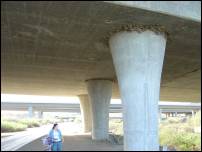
(46, 99)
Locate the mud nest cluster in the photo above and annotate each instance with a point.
(158, 29)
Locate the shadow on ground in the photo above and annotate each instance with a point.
(76, 143)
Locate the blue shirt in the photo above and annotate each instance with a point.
(51, 135)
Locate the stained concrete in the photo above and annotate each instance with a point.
(139, 71)
(51, 48)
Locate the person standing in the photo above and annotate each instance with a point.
(56, 138)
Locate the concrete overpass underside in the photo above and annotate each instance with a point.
(94, 50)
(51, 48)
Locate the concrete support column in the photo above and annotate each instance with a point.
(86, 112)
(160, 115)
(138, 60)
(40, 114)
(30, 112)
(192, 112)
(175, 114)
(100, 92)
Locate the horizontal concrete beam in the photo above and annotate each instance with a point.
(68, 107)
(184, 9)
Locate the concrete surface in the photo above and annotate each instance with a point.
(86, 112)
(71, 107)
(99, 92)
(184, 9)
(30, 111)
(139, 71)
(40, 114)
(19, 139)
(51, 48)
(76, 143)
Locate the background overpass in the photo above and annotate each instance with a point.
(185, 107)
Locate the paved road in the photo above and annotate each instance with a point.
(30, 140)
(19, 139)
(16, 140)
(76, 143)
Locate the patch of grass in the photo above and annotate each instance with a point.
(50, 121)
(30, 122)
(175, 136)
(8, 126)
(173, 132)
(77, 120)
(12, 125)
(116, 127)
(195, 120)
(45, 121)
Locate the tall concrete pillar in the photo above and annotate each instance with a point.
(175, 114)
(30, 112)
(160, 115)
(192, 113)
(86, 112)
(100, 92)
(138, 60)
(40, 114)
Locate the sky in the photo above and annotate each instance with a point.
(45, 99)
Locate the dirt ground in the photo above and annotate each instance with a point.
(75, 143)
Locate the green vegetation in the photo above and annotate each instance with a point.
(13, 125)
(39, 122)
(116, 127)
(175, 132)
(196, 120)
(8, 126)
(77, 120)
(49, 121)
(30, 122)
(181, 135)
